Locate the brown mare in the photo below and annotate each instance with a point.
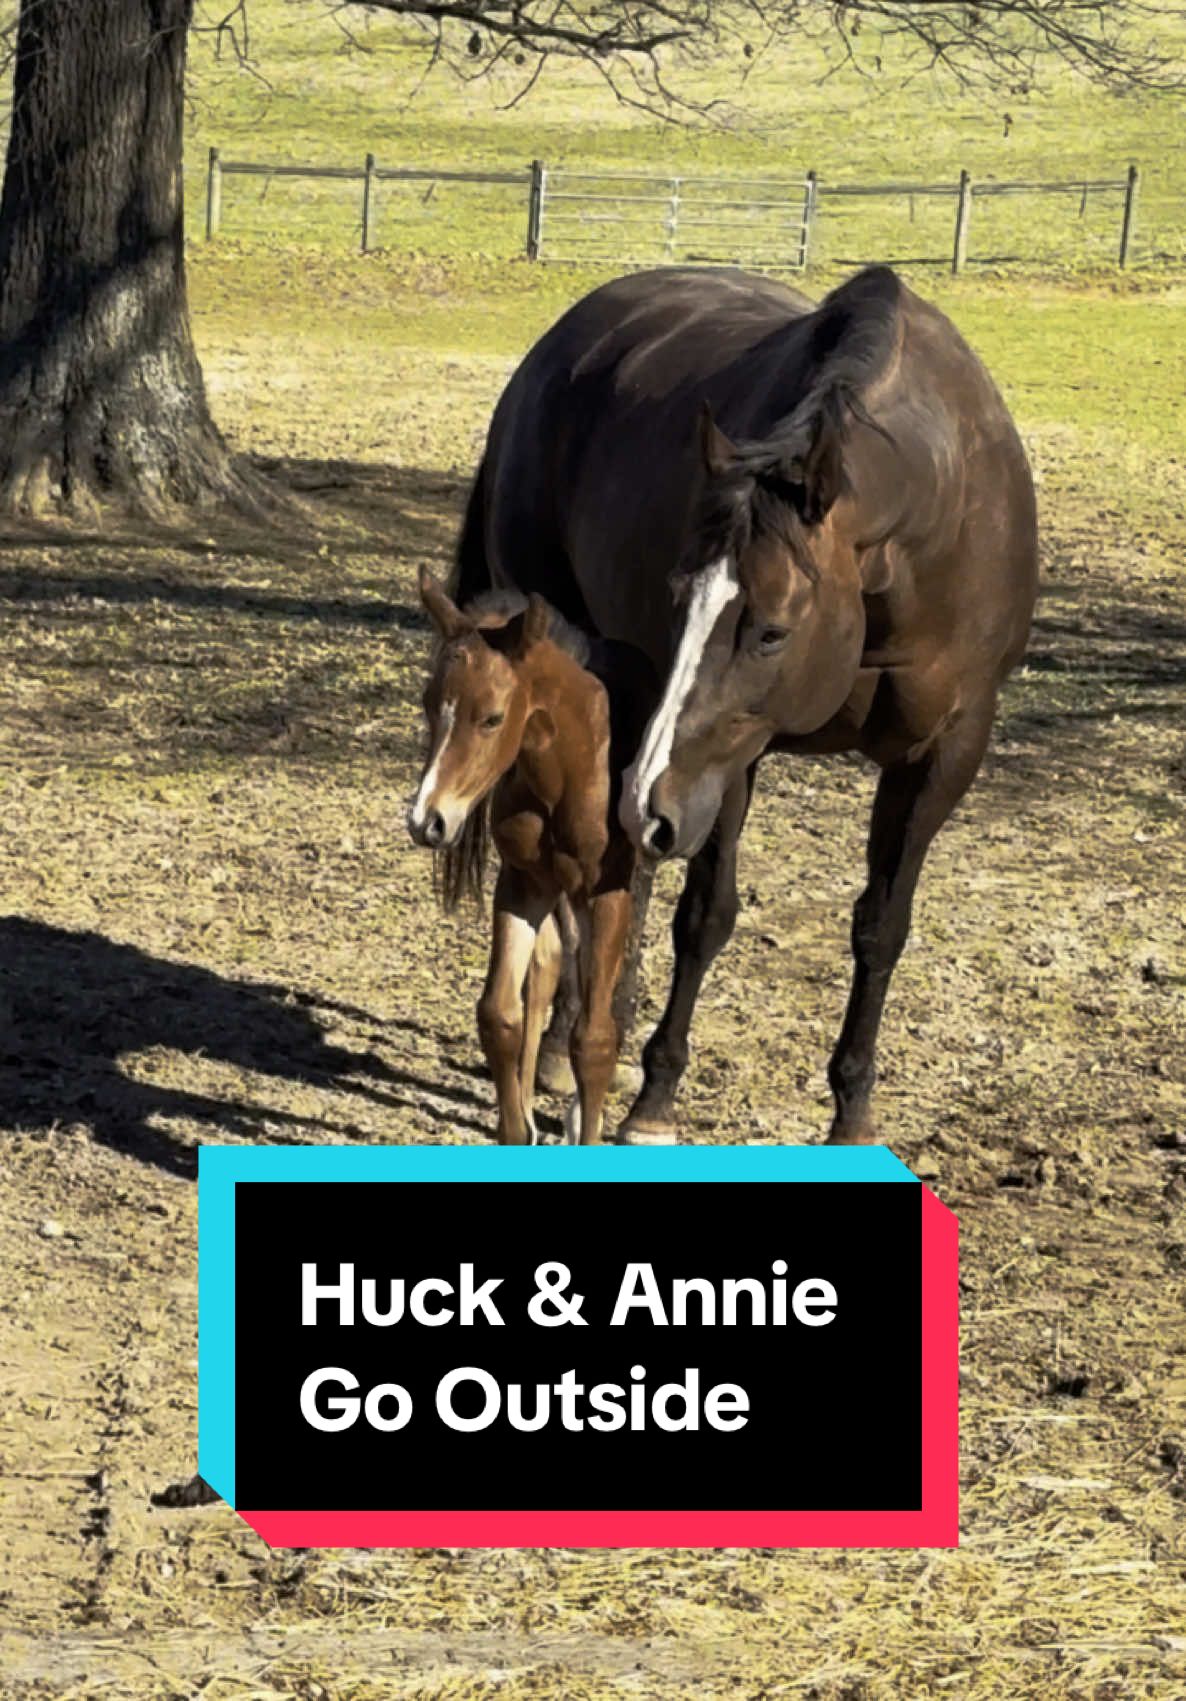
(520, 708)
(845, 560)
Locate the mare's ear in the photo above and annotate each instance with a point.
(440, 608)
(539, 731)
(817, 472)
(718, 453)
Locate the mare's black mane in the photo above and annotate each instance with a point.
(852, 337)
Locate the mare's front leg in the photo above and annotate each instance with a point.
(704, 920)
(520, 910)
(604, 924)
(913, 800)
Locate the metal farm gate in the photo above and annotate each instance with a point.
(633, 218)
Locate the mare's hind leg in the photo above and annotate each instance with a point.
(519, 913)
(542, 976)
(913, 800)
(704, 920)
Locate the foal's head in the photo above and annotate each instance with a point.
(477, 703)
(773, 625)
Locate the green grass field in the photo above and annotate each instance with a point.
(317, 97)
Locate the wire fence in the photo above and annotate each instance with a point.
(567, 215)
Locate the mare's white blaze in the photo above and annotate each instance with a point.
(423, 798)
(713, 590)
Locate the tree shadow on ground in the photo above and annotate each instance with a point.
(409, 514)
(75, 1004)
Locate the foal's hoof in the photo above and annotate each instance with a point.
(647, 1131)
(574, 1125)
(553, 1074)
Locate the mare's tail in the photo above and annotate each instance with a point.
(457, 873)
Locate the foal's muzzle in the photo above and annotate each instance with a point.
(430, 831)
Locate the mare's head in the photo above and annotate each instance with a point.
(773, 622)
(477, 703)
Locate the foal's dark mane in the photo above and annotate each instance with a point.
(853, 336)
(505, 604)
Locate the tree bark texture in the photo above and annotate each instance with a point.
(101, 394)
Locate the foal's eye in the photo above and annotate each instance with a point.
(772, 638)
(491, 721)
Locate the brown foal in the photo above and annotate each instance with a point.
(517, 717)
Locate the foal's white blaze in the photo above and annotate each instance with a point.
(712, 592)
(423, 798)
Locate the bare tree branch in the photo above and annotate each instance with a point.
(641, 47)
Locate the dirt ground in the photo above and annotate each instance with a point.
(214, 929)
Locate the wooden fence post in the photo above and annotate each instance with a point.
(810, 186)
(368, 202)
(1130, 210)
(535, 208)
(963, 214)
(213, 194)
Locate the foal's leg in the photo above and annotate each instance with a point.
(519, 913)
(913, 800)
(704, 920)
(542, 976)
(605, 926)
(554, 1074)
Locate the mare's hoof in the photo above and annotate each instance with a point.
(553, 1074)
(647, 1131)
(862, 1133)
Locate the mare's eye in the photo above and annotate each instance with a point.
(772, 638)
(491, 721)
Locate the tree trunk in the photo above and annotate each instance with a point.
(101, 393)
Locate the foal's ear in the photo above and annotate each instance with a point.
(718, 453)
(535, 621)
(440, 608)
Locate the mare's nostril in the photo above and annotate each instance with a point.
(658, 837)
(434, 829)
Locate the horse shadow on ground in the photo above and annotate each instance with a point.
(74, 1004)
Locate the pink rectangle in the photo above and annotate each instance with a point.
(934, 1524)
